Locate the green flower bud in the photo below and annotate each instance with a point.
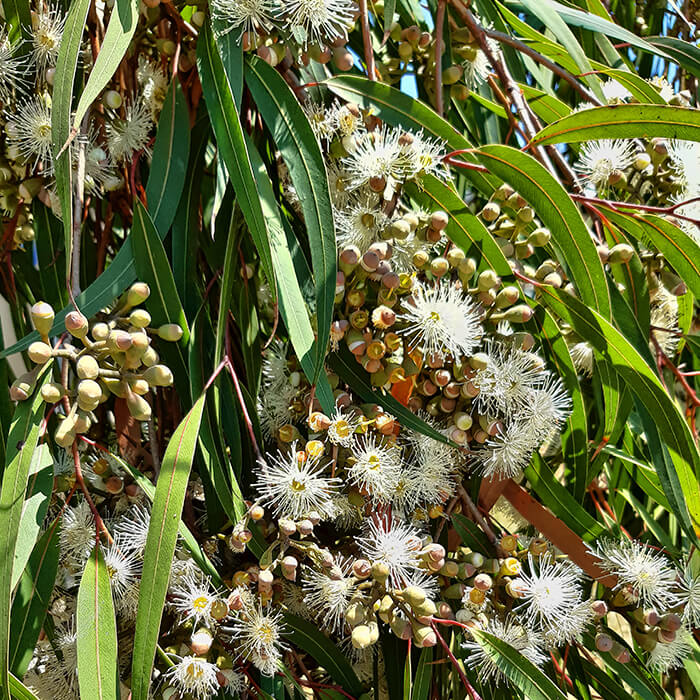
(487, 280)
(361, 637)
(100, 331)
(170, 332)
(137, 294)
(158, 375)
(42, 317)
(539, 237)
(139, 318)
(65, 433)
(89, 394)
(507, 297)
(138, 407)
(52, 392)
(413, 595)
(76, 324)
(490, 212)
(87, 367)
(39, 352)
(620, 254)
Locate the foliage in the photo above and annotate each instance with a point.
(352, 349)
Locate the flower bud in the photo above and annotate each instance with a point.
(89, 393)
(361, 637)
(87, 367)
(539, 237)
(139, 318)
(401, 627)
(518, 314)
(39, 352)
(76, 324)
(138, 407)
(158, 375)
(425, 637)
(137, 294)
(42, 317)
(603, 642)
(490, 212)
(52, 392)
(620, 254)
(361, 569)
(413, 595)
(201, 642)
(380, 571)
(65, 435)
(170, 332)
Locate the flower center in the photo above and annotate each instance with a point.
(200, 603)
(298, 486)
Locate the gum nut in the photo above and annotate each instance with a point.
(87, 367)
(42, 315)
(39, 352)
(76, 324)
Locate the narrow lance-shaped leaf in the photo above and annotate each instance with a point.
(32, 599)
(62, 102)
(166, 179)
(160, 546)
(120, 30)
(21, 444)
(519, 670)
(623, 122)
(643, 382)
(294, 137)
(96, 632)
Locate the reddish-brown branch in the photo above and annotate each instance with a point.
(439, 29)
(463, 677)
(367, 41)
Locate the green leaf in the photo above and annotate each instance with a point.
(20, 691)
(120, 30)
(292, 306)
(34, 509)
(644, 476)
(308, 636)
(623, 121)
(570, 237)
(96, 632)
(50, 254)
(231, 142)
(643, 382)
(297, 143)
(641, 90)
(561, 502)
(32, 600)
(160, 546)
(464, 229)
(344, 364)
(21, 444)
(522, 673)
(61, 106)
(677, 247)
(18, 17)
(470, 534)
(424, 675)
(166, 179)
(556, 25)
(682, 52)
(397, 108)
(163, 304)
(188, 539)
(575, 438)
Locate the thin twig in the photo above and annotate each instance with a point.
(439, 29)
(367, 41)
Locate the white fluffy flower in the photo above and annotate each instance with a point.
(685, 161)
(598, 160)
(243, 15)
(274, 364)
(123, 568)
(193, 598)
(615, 92)
(379, 157)
(153, 83)
(394, 543)
(329, 592)
(376, 467)
(441, 319)
(426, 156)
(78, 534)
(646, 572)
(522, 639)
(506, 383)
(582, 356)
(360, 223)
(293, 484)
(508, 453)
(127, 136)
(665, 657)
(344, 514)
(47, 32)
(131, 529)
(663, 312)
(317, 21)
(29, 132)
(342, 429)
(548, 407)
(195, 676)
(258, 636)
(569, 628)
(550, 592)
(12, 68)
(274, 409)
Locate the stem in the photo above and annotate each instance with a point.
(367, 41)
(99, 523)
(439, 30)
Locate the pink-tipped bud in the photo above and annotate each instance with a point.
(603, 642)
(361, 568)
